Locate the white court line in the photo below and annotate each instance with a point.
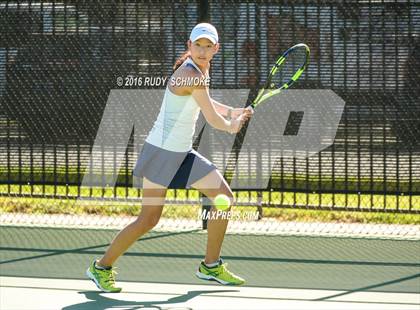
(266, 226)
(37, 293)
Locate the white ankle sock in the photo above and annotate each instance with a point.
(211, 265)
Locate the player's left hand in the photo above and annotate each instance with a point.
(239, 111)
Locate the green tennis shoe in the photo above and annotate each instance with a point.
(103, 278)
(220, 273)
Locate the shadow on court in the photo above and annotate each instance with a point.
(99, 301)
(294, 262)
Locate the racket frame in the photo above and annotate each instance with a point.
(262, 95)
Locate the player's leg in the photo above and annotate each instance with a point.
(213, 268)
(152, 205)
(212, 185)
(153, 200)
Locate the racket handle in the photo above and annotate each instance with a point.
(251, 106)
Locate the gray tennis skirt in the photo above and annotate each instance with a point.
(170, 169)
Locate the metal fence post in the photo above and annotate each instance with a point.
(203, 11)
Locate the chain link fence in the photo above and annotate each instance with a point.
(59, 62)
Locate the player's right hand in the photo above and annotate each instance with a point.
(237, 123)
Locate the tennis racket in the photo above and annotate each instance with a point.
(286, 71)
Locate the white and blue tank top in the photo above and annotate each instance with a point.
(174, 127)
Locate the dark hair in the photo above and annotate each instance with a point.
(181, 59)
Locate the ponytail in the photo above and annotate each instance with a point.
(181, 59)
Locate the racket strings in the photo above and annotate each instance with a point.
(293, 62)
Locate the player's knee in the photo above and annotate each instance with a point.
(148, 222)
(228, 192)
(152, 221)
(231, 198)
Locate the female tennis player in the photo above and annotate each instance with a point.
(167, 160)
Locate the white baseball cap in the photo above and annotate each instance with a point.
(204, 30)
